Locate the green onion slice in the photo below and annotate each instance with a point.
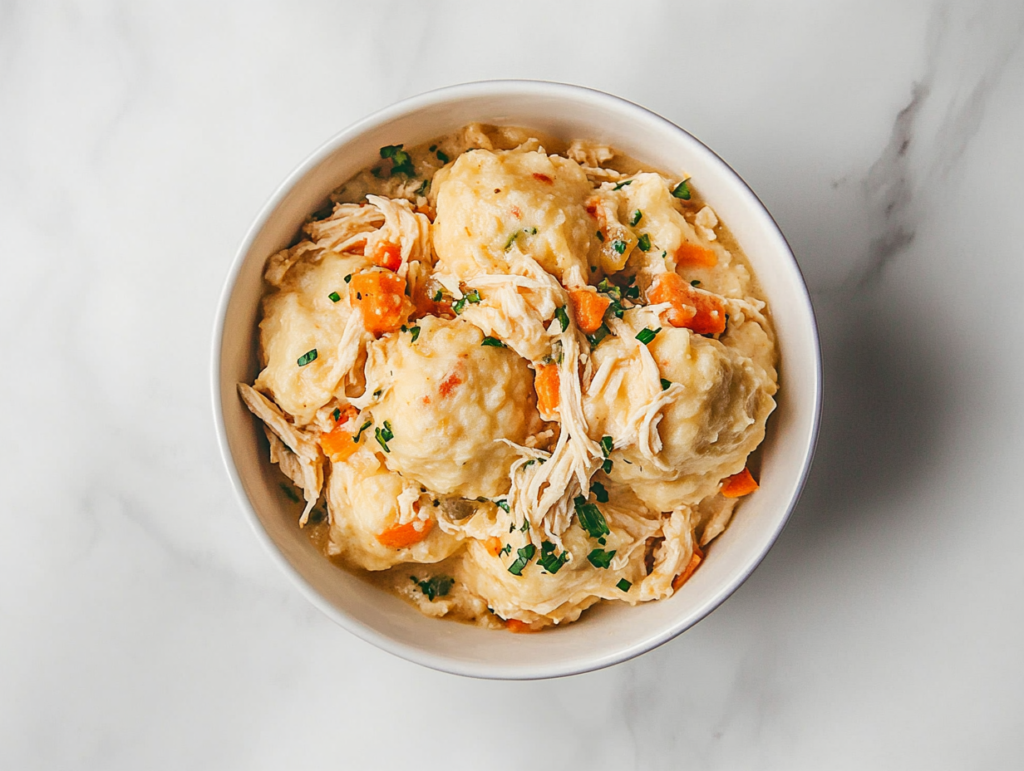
(307, 357)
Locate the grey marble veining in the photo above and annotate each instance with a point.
(142, 627)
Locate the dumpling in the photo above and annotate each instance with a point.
(489, 203)
(675, 440)
(366, 501)
(448, 401)
(298, 318)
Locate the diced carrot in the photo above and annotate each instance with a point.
(693, 256)
(739, 485)
(387, 255)
(493, 545)
(588, 309)
(689, 570)
(401, 536)
(380, 297)
(695, 309)
(449, 384)
(339, 443)
(547, 381)
(518, 627)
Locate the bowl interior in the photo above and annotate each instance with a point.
(607, 633)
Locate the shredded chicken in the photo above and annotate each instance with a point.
(306, 451)
(671, 557)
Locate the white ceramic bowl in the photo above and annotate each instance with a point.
(608, 633)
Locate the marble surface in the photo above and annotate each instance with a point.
(141, 626)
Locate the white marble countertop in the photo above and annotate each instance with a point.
(141, 625)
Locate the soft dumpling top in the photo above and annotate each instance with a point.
(453, 405)
(489, 203)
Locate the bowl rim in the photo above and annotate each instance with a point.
(363, 631)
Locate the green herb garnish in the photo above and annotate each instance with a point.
(548, 560)
(362, 428)
(590, 517)
(606, 467)
(432, 148)
(646, 335)
(493, 342)
(635, 219)
(526, 526)
(348, 278)
(596, 338)
(307, 357)
(506, 549)
(470, 297)
(682, 190)
(415, 332)
(384, 435)
(600, 558)
(442, 156)
(502, 504)
(334, 297)
(665, 384)
(525, 554)
(563, 317)
(287, 489)
(600, 236)
(623, 184)
(623, 584)
(438, 586)
(401, 163)
(511, 240)
(644, 243)
(438, 295)
(599, 492)
(336, 414)
(530, 231)
(607, 443)
(632, 293)
(695, 282)
(619, 246)
(423, 188)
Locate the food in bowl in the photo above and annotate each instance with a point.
(515, 377)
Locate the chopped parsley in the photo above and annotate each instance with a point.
(695, 282)
(563, 317)
(548, 560)
(600, 558)
(635, 219)
(336, 414)
(307, 357)
(619, 246)
(334, 297)
(590, 517)
(596, 338)
(362, 428)
(437, 586)
(526, 526)
(623, 584)
(511, 240)
(607, 444)
(415, 332)
(472, 296)
(438, 295)
(384, 435)
(646, 335)
(287, 489)
(502, 504)
(623, 184)
(442, 156)
(609, 289)
(401, 163)
(506, 550)
(525, 554)
(348, 278)
(493, 342)
(665, 384)
(600, 236)
(644, 243)
(682, 190)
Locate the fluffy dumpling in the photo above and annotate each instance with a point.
(675, 440)
(448, 401)
(489, 203)
(367, 500)
(300, 317)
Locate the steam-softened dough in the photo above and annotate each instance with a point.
(297, 318)
(363, 498)
(449, 401)
(488, 199)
